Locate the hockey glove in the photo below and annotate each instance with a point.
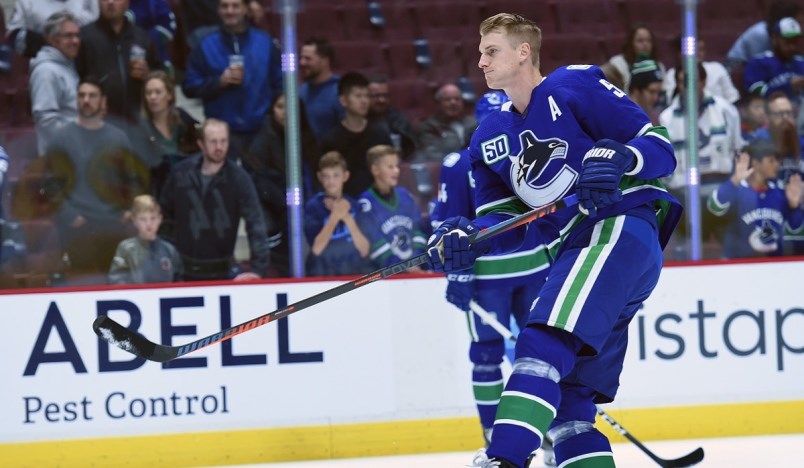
(461, 289)
(449, 250)
(603, 167)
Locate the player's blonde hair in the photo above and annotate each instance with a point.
(518, 28)
(145, 204)
(376, 152)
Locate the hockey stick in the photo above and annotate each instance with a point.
(692, 458)
(136, 344)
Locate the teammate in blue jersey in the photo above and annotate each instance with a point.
(569, 133)
(760, 210)
(390, 215)
(503, 285)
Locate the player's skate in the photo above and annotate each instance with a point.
(549, 455)
(487, 435)
(481, 460)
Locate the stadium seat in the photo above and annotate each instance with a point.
(448, 19)
(413, 96)
(363, 56)
(357, 18)
(400, 21)
(663, 17)
(566, 49)
(542, 12)
(590, 16)
(402, 59)
(447, 60)
(321, 19)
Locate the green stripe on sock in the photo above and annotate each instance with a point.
(488, 392)
(526, 410)
(598, 460)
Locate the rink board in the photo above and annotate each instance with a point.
(716, 351)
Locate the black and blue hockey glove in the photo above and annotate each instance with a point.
(461, 289)
(603, 167)
(449, 250)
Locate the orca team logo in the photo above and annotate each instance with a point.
(402, 245)
(764, 238)
(539, 173)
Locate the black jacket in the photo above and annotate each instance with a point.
(105, 55)
(203, 224)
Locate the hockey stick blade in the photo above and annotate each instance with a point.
(134, 343)
(690, 459)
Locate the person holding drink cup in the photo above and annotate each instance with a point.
(106, 43)
(236, 71)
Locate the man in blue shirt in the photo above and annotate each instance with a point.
(319, 92)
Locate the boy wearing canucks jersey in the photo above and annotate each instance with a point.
(569, 133)
(760, 210)
(505, 285)
(390, 215)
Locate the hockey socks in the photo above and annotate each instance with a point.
(576, 442)
(487, 378)
(532, 395)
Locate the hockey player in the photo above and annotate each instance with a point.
(505, 285)
(569, 133)
(390, 216)
(758, 205)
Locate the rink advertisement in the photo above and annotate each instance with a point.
(384, 356)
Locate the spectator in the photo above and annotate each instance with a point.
(759, 208)
(12, 241)
(389, 118)
(756, 39)
(719, 136)
(53, 80)
(145, 258)
(200, 17)
(166, 133)
(337, 244)
(640, 43)
(390, 214)
(781, 131)
(236, 70)
(450, 129)
(782, 69)
(203, 201)
(102, 176)
(119, 53)
(718, 80)
(265, 163)
(752, 116)
(320, 92)
(26, 24)
(645, 88)
(156, 17)
(353, 136)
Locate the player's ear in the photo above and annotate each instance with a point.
(345, 176)
(525, 51)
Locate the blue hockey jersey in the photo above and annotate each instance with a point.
(528, 160)
(759, 219)
(766, 74)
(394, 229)
(456, 197)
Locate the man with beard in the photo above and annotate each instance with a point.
(203, 201)
(781, 69)
(99, 176)
(781, 131)
(319, 92)
(394, 122)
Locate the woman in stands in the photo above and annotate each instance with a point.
(639, 44)
(265, 162)
(166, 133)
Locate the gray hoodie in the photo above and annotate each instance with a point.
(53, 83)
